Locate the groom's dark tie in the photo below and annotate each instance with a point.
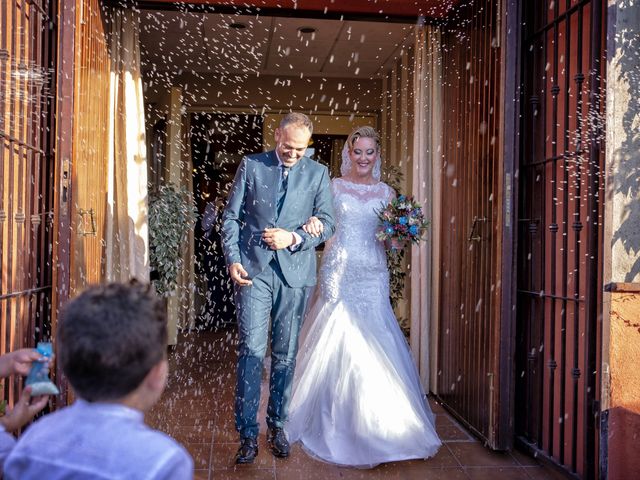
(282, 187)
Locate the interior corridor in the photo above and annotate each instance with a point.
(197, 410)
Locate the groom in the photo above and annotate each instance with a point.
(272, 261)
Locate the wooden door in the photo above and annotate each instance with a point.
(90, 145)
(27, 91)
(559, 225)
(82, 98)
(474, 372)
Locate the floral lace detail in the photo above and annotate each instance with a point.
(354, 265)
(364, 191)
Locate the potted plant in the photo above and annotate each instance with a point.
(172, 213)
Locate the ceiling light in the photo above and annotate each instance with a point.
(306, 30)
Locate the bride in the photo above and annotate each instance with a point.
(357, 398)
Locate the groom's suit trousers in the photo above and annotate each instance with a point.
(268, 297)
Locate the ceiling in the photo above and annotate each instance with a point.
(382, 8)
(199, 42)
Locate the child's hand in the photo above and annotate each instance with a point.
(23, 411)
(19, 361)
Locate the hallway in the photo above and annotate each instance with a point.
(197, 410)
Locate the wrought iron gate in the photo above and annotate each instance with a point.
(27, 83)
(559, 280)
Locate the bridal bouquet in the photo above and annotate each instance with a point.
(401, 220)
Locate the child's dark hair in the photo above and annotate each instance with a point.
(109, 338)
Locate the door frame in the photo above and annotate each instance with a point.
(511, 61)
(63, 181)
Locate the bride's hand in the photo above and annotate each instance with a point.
(394, 244)
(313, 227)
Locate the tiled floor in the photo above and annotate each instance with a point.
(197, 410)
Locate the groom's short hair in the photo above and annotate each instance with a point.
(297, 119)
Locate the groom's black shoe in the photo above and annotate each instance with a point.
(278, 442)
(248, 450)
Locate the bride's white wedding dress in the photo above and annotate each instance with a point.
(357, 398)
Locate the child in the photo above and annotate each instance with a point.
(111, 345)
(18, 363)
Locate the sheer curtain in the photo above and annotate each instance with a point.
(411, 129)
(127, 238)
(426, 156)
(181, 304)
(396, 128)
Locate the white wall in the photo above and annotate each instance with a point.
(260, 94)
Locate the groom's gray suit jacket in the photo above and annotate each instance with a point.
(252, 207)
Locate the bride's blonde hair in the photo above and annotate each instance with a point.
(363, 132)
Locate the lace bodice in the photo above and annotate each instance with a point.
(354, 266)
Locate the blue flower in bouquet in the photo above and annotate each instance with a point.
(403, 220)
(413, 230)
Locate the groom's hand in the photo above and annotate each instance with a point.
(278, 238)
(239, 274)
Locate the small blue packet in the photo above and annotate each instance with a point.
(38, 378)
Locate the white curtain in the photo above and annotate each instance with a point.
(396, 129)
(425, 179)
(411, 126)
(127, 248)
(181, 305)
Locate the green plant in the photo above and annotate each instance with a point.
(392, 176)
(172, 213)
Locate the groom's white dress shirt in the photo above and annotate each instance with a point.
(298, 238)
